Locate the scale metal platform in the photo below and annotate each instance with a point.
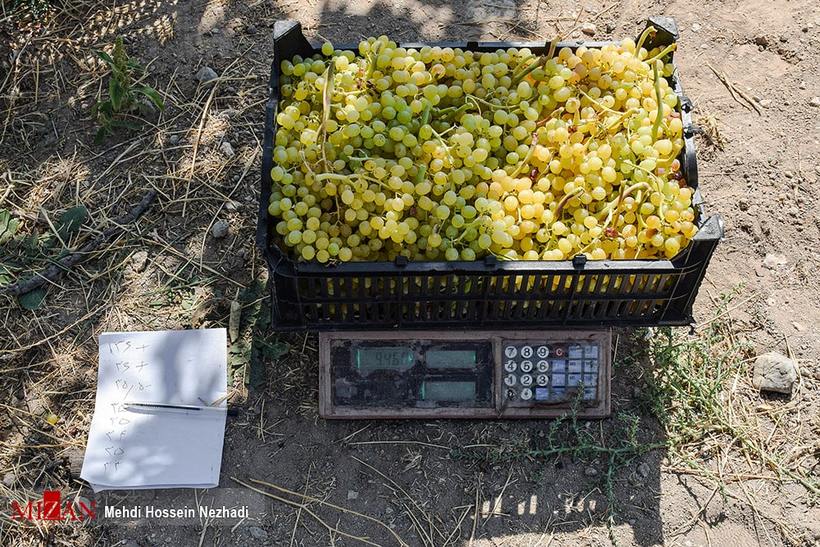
(472, 375)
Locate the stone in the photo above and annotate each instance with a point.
(206, 74)
(231, 206)
(173, 139)
(220, 229)
(774, 261)
(775, 372)
(695, 27)
(798, 326)
(815, 101)
(643, 470)
(130, 543)
(761, 40)
(590, 471)
(227, 149)
(139, 261)
(250, 29)
(589, 29)
(352, 495)
(743, 204)
(788, 174)
(8, 479)
(802, 85)
(258, 533)
(765, 103)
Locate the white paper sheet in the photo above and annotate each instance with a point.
(130, 449)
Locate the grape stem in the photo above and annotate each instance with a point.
(668, 49)
(327, 95)
(644, 35)
(657, 125)
(526, 158)
(559, 208)
(525, 72)
(613, 210)
(596, 103)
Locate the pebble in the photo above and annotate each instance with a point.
(130, 543)
(695, 27)
(761, 40)
(774, 260)
(589, 29)
(775, 372)
(802, 85)
(173, 139)
(788, 174)
(231, 206)
(219, 229)
(352, 495)
(798, 327)
(258, 533)
(138, 261)
(206, 74)
(815, 101)
(590, 471)
(8, 479)
(643, 470)
(250, 29)
(743, 204)
(765, 103)
(227, 149)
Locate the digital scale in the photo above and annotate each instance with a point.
(448, 374)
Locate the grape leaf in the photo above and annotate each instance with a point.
(32, 299)
(71, 220)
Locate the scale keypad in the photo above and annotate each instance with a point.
(544, 372)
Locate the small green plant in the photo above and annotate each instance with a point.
(125, 94)
(616, 447)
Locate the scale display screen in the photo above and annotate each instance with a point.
(451, 358)
(369, 359)
(448, 374)
(448, 391)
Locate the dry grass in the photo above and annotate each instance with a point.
(44, 353)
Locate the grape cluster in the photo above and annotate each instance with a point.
(439, 153)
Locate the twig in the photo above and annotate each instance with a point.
(734, 90)
(53, 272)
(331, 529)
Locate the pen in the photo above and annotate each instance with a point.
(164, 406)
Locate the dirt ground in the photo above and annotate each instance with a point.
(436, 483)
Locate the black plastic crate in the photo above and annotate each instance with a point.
(484, 293)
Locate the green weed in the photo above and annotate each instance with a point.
(125, 94)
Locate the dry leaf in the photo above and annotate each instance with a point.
(233, 321)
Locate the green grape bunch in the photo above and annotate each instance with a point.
(439, 153)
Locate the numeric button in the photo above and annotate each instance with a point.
(526, 366)
(510, 366)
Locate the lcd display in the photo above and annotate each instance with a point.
(451, 358)
(373, 358)
(448, 391)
